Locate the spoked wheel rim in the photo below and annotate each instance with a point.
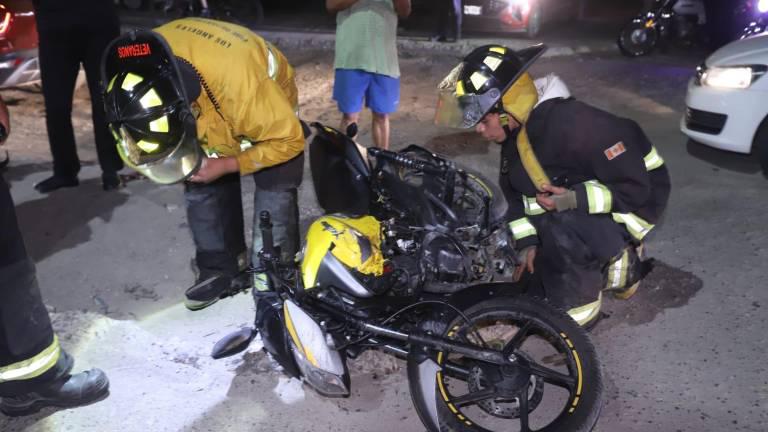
(513, 397)
(638, 39)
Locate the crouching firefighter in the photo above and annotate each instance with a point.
(35, 372)
(584, 187)
(205, 102)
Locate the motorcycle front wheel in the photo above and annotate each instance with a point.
(636, 39)
(552, 382)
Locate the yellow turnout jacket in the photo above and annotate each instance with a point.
(247, 106)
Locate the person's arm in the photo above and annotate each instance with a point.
(334, 6)
(402, 7)
(270, 123)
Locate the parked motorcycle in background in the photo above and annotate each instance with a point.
(756, 13)
(667, 19)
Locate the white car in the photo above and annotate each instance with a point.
(727, 100)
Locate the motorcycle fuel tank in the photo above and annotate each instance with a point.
(336, 246)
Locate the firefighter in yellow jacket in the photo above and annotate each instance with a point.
(205, 102)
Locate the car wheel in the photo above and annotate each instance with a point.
(534, 21)
(760, 145)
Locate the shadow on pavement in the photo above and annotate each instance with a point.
(60, 220)
(666, 287)
(730, 161)
(459, 144)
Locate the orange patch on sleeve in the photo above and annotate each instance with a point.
(615, 151)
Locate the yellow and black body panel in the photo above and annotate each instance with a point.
(336, 247)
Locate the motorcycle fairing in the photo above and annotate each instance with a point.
(353, 242)
(321, 366)
(340, 173)
(423, 370)
(269, 323)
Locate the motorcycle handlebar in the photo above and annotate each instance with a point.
(405, 161)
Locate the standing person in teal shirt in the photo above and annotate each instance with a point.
(366, 62)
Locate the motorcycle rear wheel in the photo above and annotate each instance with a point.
(556, 369)
(636, 39)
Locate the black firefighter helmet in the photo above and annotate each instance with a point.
(478, 83)
(147, 97)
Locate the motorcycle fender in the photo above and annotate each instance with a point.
(472, 294)
(422, 377)
(275, 337)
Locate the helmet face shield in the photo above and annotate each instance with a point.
(148, 109)
(474, 87)
(174, 165)
(464, 111)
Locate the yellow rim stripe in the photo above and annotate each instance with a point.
(579, 384)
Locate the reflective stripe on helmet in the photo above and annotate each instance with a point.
(32, 367)
(150, 99)
(599, 197)
(130, 81)
(148, 146)
(159, 125)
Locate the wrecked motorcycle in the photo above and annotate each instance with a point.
(407, 260)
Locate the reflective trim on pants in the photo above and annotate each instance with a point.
(617, 271)
(32, 367)
(584, 314)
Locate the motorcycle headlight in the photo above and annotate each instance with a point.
(326, 383)
(731, 77)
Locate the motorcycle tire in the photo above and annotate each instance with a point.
(637, 40)
(491, 321)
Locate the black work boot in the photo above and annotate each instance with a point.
(56, 182)
(68, 391)
(110, 181)
(206, 291)
(210, 288)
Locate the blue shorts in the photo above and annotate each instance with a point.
(351, 86)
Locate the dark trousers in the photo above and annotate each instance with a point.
(450, 14)
(574, 251)
(25, 328)
(66, 41)
(215, 217)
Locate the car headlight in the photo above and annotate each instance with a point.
(731, 77)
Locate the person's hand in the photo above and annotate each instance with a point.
(213, 168)
(545, 198)
(526, 256)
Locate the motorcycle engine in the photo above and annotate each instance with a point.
(444, 259)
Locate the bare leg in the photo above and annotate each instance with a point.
(348, 119)
(381, 130)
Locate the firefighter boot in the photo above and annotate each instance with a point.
(625, 272)
(66, 391)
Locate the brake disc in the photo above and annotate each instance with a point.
(508, 408)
